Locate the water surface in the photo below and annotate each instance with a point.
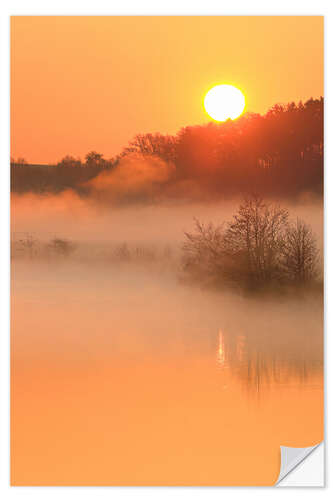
(124, 376)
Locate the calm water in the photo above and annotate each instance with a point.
(123, 376)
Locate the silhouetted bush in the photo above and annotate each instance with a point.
(25, 246)
(62, 247)
(122, 252)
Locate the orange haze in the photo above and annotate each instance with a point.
(83, 83)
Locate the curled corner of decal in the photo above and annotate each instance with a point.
(291, 458)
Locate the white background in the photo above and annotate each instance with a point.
(152, 7)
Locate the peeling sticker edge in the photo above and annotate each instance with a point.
(287, 465)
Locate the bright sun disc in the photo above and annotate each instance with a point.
(223, 102)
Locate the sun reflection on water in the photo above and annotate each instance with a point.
(221, 354)
(263, 361)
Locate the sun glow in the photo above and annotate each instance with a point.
(224, 102)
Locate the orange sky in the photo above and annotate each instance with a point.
(83, 83)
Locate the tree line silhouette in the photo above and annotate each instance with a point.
(278, 153)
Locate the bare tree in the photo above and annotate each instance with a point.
(299, 253)
(203, 251)
(163, 146)
(253, 240)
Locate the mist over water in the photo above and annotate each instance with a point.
(88, 219)
(123, 374)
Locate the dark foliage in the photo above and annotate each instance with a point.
(279, 153)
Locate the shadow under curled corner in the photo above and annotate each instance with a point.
(292, 459)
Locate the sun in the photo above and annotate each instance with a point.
(224, 102)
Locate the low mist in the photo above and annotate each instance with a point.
(109, 346)
(86, 219)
